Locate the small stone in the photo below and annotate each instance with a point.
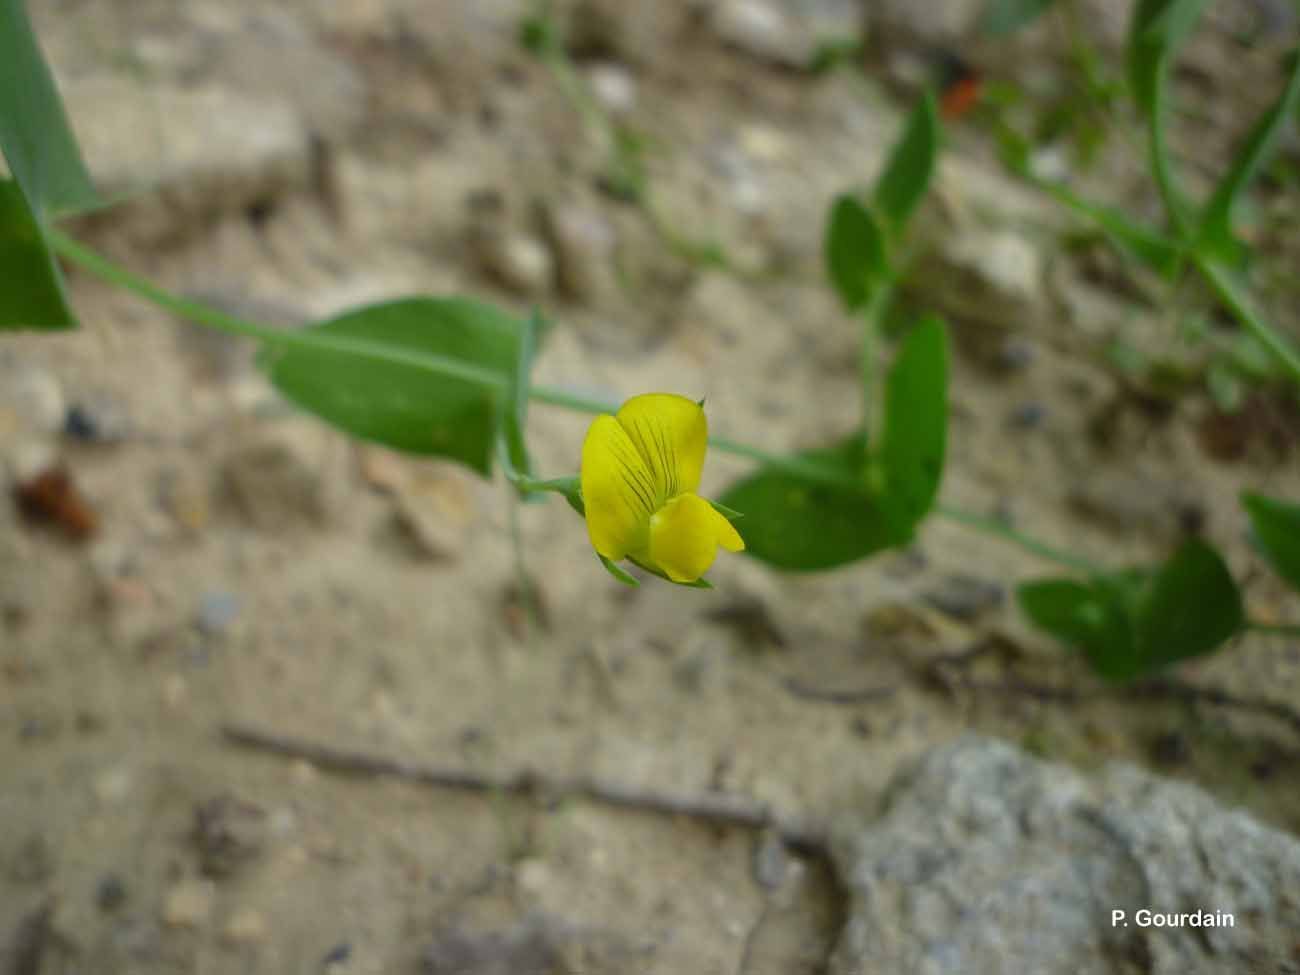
(187, 497)
(113, 786)
(613, 86)
(217, 612)
(965, 597)
(98, 419)
(188, 904)
(435, 514)
(771, 860)
(585, 244)
(276, 477)
(110, 894)
(302, 772)
(245, 927)
(533, 876)
(228, 832)
(763, 30)
(1027, 416)
(520, 262)
(1016, 353)
(31, 399)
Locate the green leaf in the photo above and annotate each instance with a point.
(32, 295)
(797, 521)
(1090, 616)
(1192, 605)
(394, 400)
(38, 144)
(1008, 16)
(1277, 527)
(1135, 623)
(915, 435)
(1216, 222)
(907, 173)
(1156, 30)
(1141, 243)
(855, 251)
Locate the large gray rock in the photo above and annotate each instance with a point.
(988, 860)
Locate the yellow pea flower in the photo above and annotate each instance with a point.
(640, 470)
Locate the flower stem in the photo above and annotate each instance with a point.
(201, 314)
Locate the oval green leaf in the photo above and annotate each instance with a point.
(1191, 607)
(387, 396)
(1277, 527)
(908, 171)
(854, 250)
(800, 522)
(915, 438)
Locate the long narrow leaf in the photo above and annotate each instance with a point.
(1216, 223)
(34, 134)
(907, 173)
(32, 294)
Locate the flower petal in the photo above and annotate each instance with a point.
(671, 433)
(617, 490)
(684, 537)
(726, 532)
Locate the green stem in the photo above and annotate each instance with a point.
(993, 526)
(211, 318)
(316, 341)
(1221, 281)
(1161, 167)
(872, 316)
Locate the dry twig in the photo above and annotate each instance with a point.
(719, 808)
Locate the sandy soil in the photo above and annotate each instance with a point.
(252, 566)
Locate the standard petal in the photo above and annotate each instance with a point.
(684, 538)
(670, 433)
(617, 490)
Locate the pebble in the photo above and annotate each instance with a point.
(112, 786)
(228, 833)
(1027, 416)
(275, 477)
(613, 86)
(186, 497)
(585, 244)
(245, 927)
(188, 904)
(31, 399)
(518, 261)
(764, 31)
(965, 597)
(435, 514)
(97, 419)
(217, 611)
(771, 860)
(110, 894)
(1016, 353)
